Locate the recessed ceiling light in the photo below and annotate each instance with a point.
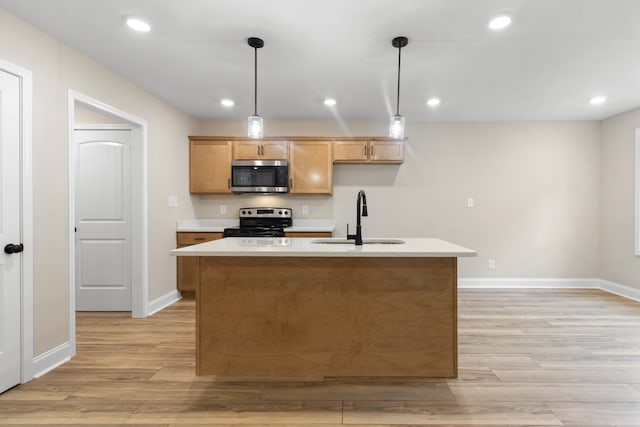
(137, 24)
(597, 100)
(433, 102)
(500, 22)
(330, 102)
(227, 102)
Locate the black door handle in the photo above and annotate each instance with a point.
(13, 249)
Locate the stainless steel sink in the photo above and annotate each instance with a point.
(364, 241)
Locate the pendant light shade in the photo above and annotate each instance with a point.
(255, 127)
(396, 126)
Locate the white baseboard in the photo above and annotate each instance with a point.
(620, 290)
(528, 283)
(163, 301)
(545, 283)
(51, 359)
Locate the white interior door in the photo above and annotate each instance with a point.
(103, 220)
(10, 231)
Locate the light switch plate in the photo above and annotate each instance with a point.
(470, 202)
(173, 201)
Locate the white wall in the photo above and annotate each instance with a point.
(535, 185)
(618, 262)
(56, 68)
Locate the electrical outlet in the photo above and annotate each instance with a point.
(470, 202)
(173, 201)
(305, 210)
(492, 264)
(223, 209)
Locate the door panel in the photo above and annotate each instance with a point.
(10, 231)
(103, 217)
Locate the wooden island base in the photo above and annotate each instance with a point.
(325, 316)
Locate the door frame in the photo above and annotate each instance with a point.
(139, 204)
(27, 365)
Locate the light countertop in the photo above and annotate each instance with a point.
(305, 247)
(218, 225)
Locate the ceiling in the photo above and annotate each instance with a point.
(547, 65)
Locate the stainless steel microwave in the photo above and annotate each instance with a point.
(260, 176)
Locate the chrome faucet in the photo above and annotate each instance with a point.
(361, 210)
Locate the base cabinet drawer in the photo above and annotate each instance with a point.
(188, 272)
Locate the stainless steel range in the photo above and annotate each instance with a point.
(261, 222)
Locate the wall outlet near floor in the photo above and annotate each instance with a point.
(173, 201)
(305, 210)
(223, 209)
(492, 264)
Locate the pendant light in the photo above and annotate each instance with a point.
(396, 127)
(254, 123)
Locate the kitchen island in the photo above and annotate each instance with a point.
(300, 307)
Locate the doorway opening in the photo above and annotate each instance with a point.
(137, 170)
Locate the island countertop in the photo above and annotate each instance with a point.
(305, 247)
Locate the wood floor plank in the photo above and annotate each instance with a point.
(383, 389)
(179, 391)
(264, 412)
(67, 412)
(568, 375)
(448, 413)
(592, 413)
(541, 392)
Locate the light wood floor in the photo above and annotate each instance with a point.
(535, 357)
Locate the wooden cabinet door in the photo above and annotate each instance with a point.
(210, 166)
(275, 150)
(246, 150)
(260, 150)
(188, 266)
(350, 151)
(387, 151)
(311, 167)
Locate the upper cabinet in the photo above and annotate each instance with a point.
(368, 151)
(311, 159)
(261, 150)
(210, 166)
(311, 167)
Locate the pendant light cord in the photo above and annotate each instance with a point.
(398, 97)
(255, 81)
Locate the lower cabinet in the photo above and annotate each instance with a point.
(188, 271)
